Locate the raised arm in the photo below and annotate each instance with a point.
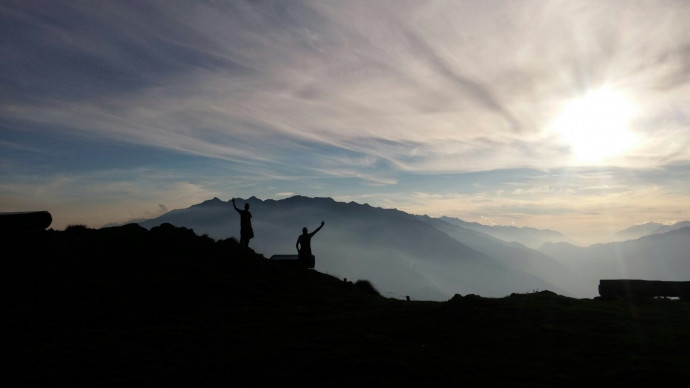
(317, 229)
(235, 206)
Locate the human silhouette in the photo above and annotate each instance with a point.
(246, 231)
(303, 246)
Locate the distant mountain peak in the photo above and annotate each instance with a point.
(647, 229)
(640, 228)
(211, 202)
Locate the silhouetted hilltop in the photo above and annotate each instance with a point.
(166, 307)
(122, 256)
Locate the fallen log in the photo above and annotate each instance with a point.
(638, 289)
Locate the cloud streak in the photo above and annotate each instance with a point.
(321, 91)
(248, 73)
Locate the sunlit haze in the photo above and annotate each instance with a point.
(564, 115)
(595, 126)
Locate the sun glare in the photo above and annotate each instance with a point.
(595, 126)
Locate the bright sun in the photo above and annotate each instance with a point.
(595, 126)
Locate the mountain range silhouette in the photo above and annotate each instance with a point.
(434, 258)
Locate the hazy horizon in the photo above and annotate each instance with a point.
(564, 115)
(240, 201)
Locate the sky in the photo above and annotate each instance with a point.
(564, 115)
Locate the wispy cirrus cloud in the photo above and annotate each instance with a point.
(309, 96)
(232, 79)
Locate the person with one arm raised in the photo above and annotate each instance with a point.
(303, 246)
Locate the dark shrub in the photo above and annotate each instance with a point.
(366, 287)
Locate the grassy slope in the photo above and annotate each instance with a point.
(166, 307)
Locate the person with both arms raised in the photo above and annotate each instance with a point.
(246, 231)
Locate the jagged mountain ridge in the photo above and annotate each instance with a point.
(432, 258)
(647, 229)
(399, 252)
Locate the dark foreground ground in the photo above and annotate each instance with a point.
(117, 306)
